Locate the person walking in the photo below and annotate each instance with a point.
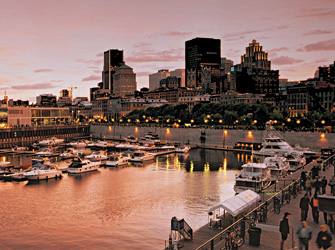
(324, 238)
(304, 205)
(332, 184)
(324, 183)
(304, 234)
(303, 178)
(308, 185)
(315, 209)
(284, 229)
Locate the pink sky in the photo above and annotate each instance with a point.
(46, 46)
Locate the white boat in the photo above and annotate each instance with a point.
(123, 145)
(20, 149)
(254, 176)
(183, 149)
(78, 144)
(51, 141)
(168, 146)
(131, 139)
(46, 152)
(117, 160)
(278, 166)
(79, 166)
(97, 156)
(150, 138)
(141, 156)
(296, 160)
(104, 144)
(69, 153)
(147, 146)
(43, 172)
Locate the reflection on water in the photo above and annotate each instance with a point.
(121, 208)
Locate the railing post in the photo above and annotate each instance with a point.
(212, 244)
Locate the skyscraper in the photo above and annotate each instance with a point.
(124, 80)
(202, 64)
(113, 58)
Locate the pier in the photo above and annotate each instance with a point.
(215, 236)
(25, 136)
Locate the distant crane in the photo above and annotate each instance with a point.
(71, 91)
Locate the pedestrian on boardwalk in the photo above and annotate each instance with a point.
(324, 239)
(324, 183)
(308, 185)
(314, 172)
(315, 208)
(304, 234)
(332, 184)
(303, 178)
(304, 205)
(284, 229)
(331, 222)
(317, 185)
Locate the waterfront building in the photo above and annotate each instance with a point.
(171, 82)
(50, 115)
(64, 98)
(232, 97)
(203, 56)
(155, 78)
(100, 108)
(12, 116)
(191, 101)
(254, 74)
(113, 58)
(171, 95)
(327, 73)
(124, 81)
(46, 100)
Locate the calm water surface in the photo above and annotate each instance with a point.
(124, 208)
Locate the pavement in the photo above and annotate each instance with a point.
(270, 235)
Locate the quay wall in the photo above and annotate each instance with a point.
(215, 137)
(25, 136)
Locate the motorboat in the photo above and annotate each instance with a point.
(131, 139)
(41, 171)
(168, 146)
(183, 149)
(51, 141)
(69, 153)
(146, 146)
(254, 176)
(150, 138)
(117, 160)
(97, 156)
(273, 144)
(46, 152)
(19, 149)
(104, 144)
(79, 166)
(278, 165)
(133, 146)
(141, 156)
(17, 173)
(123, 145)
(78, 144)
(296, 160)
(5, 169)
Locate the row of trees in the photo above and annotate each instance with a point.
(213, 114)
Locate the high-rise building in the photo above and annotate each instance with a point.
(203, 57)
(113, 58)
(155, 78)
(254, 74)
(124, 80)
(179, 73)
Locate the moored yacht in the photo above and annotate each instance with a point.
(46, 152)
(79, 166)
(254, 176)
(117, 160)
(97, 156)
(141, 156)
(278, 166)
(69, 153)
(296, 160)
(43, 172)
(51, 141)
(183, 149)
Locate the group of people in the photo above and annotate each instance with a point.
(314, 184)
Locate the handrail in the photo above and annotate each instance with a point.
(221, 235)
(188, 229)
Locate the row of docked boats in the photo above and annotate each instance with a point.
(272, 163)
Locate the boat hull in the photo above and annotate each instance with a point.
(88, 168)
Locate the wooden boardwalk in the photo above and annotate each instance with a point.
(206, 233)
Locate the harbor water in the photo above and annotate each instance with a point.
(121, 208)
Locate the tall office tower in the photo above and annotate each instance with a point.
(255, 57)
(226, 64)
(155, 78)
(113, 58)
(124, 81)
(203, 57)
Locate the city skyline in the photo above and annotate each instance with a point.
(48, 46)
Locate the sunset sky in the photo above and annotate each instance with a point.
(46, 46)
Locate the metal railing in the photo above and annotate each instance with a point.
(259, 214)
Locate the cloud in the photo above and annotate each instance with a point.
(172, 55)
(285, 60)
(43, 70)
(321, 13)
(56, 80)
(100, 55)
(177, 33)
(91, 78)
(34, 86)
(89, 61)
(241, 34)
(141, 45)
(280, 49)
(319, 32)
(328, 45)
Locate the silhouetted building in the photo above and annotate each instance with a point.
(171, 82)
(327, 73)
(155, 78)
(202, 64)
(113, 58)
(46, 100)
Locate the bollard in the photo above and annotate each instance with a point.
(175, 245)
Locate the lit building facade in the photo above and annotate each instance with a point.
(154, 79)
(124, 81)
(203, 54)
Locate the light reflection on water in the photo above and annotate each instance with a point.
(125, 208)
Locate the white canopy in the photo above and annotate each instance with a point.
(239, 203)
